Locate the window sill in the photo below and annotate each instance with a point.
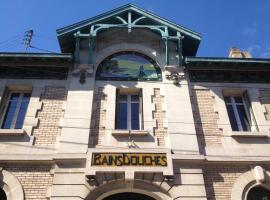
(12, 132)
(248, 134)
(127, 133)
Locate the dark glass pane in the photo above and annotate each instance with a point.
(243, 117)
(227, 99)
(3, 195)
(26, 97)
(135, 116)
(122, 116)
(22, 112)
(14, 96)
(128, 65)
(134, 97)
(122, 98)
(232, 118)
(258, 193)
(10, 112)
(238, 99)
(129, 196)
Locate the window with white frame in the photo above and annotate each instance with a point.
(240, 112)
(13, 108)
(129, 110)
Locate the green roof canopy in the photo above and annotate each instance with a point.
(129, 16)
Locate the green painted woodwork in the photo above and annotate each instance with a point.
(122, 9)
(129, 17)
(91, 47)
(179, 49)
(77, 48)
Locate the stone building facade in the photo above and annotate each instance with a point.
(127, 111)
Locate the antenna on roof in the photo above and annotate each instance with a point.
(27, 39)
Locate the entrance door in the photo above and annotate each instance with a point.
(128, 196)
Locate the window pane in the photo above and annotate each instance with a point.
(135, 116)
(227, 99)
(232, 118)
(238, 99)
(22, 111)
(122, 116)
(10, 112)
(14, 96)
(122, 98)
(134, 97)
(243, 117)
(128, 66)
(258, 193)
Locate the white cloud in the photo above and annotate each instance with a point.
(150, 8)
(249, 31)
(254, 48)
(265, 53)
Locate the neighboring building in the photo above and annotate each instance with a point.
(127, 111)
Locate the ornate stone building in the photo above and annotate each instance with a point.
(127, 111)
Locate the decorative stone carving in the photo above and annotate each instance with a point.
(83, 70)
(175, 74)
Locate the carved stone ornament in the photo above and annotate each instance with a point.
(175, 74)
(83, 71)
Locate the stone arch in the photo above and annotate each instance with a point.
(120, 186)
(255, 177)
(106, 52)
(11, 186)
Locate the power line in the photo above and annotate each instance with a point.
(33, 47)
(11, 39)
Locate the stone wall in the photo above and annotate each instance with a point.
(34, 178)
(159, 115)
(219, 179)
(136, 36)
(97, 130)
(265, 101)
(49, 116)
(205, 118)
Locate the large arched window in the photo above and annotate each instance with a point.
(128, 65)
(258, 193)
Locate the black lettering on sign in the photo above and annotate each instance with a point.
(129, 159)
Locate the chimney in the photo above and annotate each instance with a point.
(237, 53)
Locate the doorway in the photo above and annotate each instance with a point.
(128, 196)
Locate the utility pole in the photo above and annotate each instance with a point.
(27, 39)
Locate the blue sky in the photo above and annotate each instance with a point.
(222, 23)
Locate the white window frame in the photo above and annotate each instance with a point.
(18, 105)
(236, 113)
(129, 102)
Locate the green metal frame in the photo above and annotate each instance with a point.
(162, 30)
(129, 17)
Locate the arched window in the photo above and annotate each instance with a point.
(128, 65)
(3, 195)
(258, 193)
(129, 195)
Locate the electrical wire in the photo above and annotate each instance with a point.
(11, 39)
(33, 47)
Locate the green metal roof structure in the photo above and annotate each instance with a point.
(223, 63)
(36, 59)
(129, 16)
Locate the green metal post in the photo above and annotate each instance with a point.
(77, 47)
(166, 50)
(180, 50)
(91, 47)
